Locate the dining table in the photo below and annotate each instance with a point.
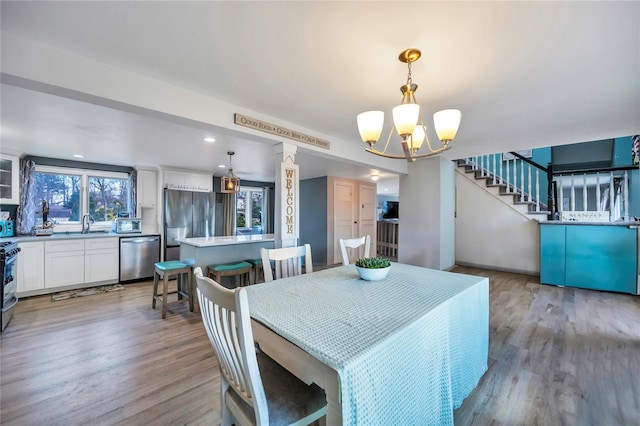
(407, 349)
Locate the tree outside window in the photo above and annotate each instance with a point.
(107, 198)
(72, 193)
(249, 205)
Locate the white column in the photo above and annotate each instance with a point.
(507, 176)
(529, 183)
(573, 195)
(598, 201)
(612, 196)
(559, 182)
(522, 181)
(287, 199)
(584, 192)
(625, 195)
(494, 168)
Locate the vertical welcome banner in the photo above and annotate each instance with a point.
(290, 196)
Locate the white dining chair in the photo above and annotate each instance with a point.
(354, 243)
(288, 261)
(254, 389)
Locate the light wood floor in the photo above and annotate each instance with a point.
(556, 356)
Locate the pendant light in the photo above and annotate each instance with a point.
(230, 184)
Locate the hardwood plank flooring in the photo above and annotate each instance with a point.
(556, 356)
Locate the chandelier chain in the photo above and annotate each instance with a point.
(409, 82)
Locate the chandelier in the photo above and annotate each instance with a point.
(408, 123)
(230, 184)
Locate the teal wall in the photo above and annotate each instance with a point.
(313, 217)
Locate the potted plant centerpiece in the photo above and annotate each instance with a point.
(373, 268)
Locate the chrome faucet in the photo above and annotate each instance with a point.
(86, 220)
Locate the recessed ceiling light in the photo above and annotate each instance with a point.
(78, 155)
(375, 177)
(209, 139)
(222, 166)
(386, 189)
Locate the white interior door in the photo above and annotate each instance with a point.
(344, 214)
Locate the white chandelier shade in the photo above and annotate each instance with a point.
(417, 137)
(405, 118)
(370, 125)
(446, 123)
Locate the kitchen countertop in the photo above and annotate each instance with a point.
(226, 241)
(74, 235)
(571, 222)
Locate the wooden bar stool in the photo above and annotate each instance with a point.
(256, 266)
(240, 270)
(166, 270)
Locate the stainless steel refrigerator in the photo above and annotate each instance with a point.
(186, 215)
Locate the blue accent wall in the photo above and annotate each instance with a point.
(313, 217)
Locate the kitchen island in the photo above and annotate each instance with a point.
(204, 251)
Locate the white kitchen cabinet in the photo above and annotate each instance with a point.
(30, 266)
(188, 181)
(147, 188)
(63, 263)
(9, 179)
(101, 257)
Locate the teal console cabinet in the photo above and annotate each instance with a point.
(592, 256)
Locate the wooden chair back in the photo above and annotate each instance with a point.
(288, 261)
(225, 314)
(354, 243)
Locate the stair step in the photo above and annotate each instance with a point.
(524, 207)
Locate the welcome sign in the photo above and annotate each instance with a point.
(263, 126)
(289, 197)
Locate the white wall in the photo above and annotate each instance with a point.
(426, 230)
(491, 234)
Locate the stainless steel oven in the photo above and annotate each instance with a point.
(9, 283)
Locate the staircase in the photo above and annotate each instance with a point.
(509, 187)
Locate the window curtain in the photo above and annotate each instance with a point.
(266, 211)
(229, 213)
(26, 213)
(133, 192)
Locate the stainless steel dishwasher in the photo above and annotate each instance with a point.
(138, 256)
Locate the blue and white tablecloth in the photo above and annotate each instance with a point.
(407, 349)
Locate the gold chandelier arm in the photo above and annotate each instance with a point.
(383, 154)
(445, 145)
(411, 157)
(432, 153)
(386, 145)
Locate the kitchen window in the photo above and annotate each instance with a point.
(249, 211)
(72, 193)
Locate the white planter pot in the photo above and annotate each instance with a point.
(373, 274)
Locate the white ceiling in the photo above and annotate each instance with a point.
(524, 74)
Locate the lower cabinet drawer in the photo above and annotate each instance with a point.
(63, 246)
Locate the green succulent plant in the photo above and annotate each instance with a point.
(373, 262)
